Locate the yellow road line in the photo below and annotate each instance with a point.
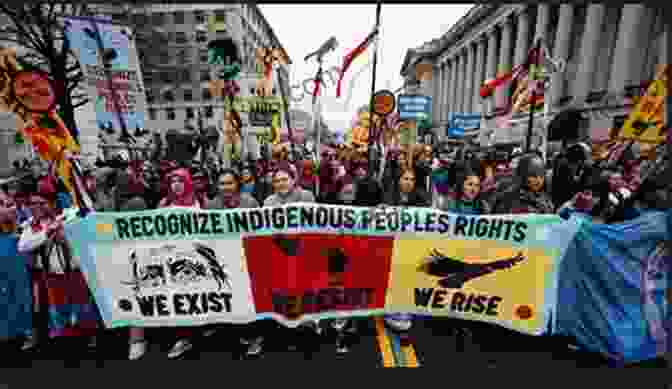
(384, 344)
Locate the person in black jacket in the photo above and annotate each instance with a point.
(406, 192)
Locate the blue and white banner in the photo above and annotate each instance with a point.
(414, 107)
(117, 89)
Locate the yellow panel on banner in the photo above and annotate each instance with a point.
(479, 280)
(646, 123)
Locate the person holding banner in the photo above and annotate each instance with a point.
(229, 196)
(529, 194)
(61, 297)
(285, 190)
(466, 199)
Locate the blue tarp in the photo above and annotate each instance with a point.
(611, 288)
(16, 305)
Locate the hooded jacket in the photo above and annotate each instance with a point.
(188, 198)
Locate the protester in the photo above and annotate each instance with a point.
(466, 199)
(285, 190)
(529, 195)
(51, 257)
(229, 193)
(407, 192)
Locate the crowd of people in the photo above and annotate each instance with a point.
(452, 178)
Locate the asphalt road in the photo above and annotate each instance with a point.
(433, 343)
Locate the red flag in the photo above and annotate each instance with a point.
(347, 61)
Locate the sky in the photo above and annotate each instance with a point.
(303, 28)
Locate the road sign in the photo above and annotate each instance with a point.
(458, 123)
(383, 103)
(414, 107)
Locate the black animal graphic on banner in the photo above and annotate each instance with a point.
(183, 267)
(455, 273)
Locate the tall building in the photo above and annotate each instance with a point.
(174, 56)
(611, 51)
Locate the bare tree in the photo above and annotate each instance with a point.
(38, 29)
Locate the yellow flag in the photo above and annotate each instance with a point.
(646, 123)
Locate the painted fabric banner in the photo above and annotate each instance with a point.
(126, 94)
(612, 288)
(181, 266)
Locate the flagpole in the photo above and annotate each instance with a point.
(532, 84)
(372, 133)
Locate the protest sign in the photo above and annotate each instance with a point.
(182, 266)
(646, 122)
(113, 81)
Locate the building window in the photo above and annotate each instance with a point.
(158, 19)
(149, 96)
(206, 94)
(170, 113)
(201, 36)
(183, 57)
(147, 78)
(164, 58)
(190, 113)
(178, 17)
(168, 96)
(152, 113)
(205, 75)
(209, 113)
(199, 16)
(185, 75)
(140, 19)
(181, 37)
(220, 16)
(166, 77)
(203, 55)
(188, 95)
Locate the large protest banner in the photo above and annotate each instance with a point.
(182, 266)
(497, 269)
(113, 81)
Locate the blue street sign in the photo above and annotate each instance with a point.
(454, 132)
(458, 123)
(414, 107)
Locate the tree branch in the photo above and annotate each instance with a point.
(16, 19)
(80, 104)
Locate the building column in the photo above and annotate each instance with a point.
(625, 57)
(478, 74)
(589, 48)
(461, 82)
(491, 64)
(452, 86)
(561, 50)
(523, 39)
(663, 49)
(468, 79)
(503, 92)
(436, 93)
(543, 17)
(443, 92)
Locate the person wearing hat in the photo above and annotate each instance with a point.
(529, 194)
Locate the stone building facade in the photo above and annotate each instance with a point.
(610, 51)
